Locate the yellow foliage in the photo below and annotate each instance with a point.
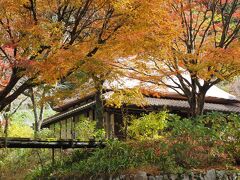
(19, 130)
(126, 97)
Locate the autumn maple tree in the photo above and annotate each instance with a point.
(25, 34)
(185, 45)
(84, 62)
(193, 43)
(50, 41)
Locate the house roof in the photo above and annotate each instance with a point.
(150, 102)
(125, 82)
(67, 114)
(183, 104)
(214, 94)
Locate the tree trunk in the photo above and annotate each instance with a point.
(40, 120)
(6, 117)
(196, 103)
(34, 112)
(125, 118)
(38, 117)
(6, 131)
(99, 109)
(200, 103)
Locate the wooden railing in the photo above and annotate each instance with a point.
(63, 144)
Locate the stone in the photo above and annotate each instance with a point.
(120, 177)
(165, 177)
(141, 175)
(210, 175)
(116, 178)
(159, 177)
(128, 177)
(185, 177)
(173, 177)
(200, 177)
(151, 178)
(220, 175)
(225, 177)
(235, 176)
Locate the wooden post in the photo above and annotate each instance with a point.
(60, 123)
(107, 124)
(66, 130)
(112, 129)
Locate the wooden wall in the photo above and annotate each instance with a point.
(65, 129)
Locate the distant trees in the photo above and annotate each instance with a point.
(38, 105)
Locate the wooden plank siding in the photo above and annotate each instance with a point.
(65, 129)
(113, 123)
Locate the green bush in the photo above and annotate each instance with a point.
(148, 126)
(20, 161)
(115, 158)
(46, 133)
(195, 145)
(18, 129)
(232, 137)
(112, 159)
(86, 129)
(227, 129)
(211, 140)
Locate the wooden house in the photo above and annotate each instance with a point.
(72, 109)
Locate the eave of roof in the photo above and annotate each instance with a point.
(73, 102)
(67, 114)
(184, 104)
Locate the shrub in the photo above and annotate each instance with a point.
(232, 137)
(155, 153)
(20, 161)
(46, 133)
(148, 126)
(18, 129)
(115, 158)
(210, 140)
(227, 128)
(86, 129)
